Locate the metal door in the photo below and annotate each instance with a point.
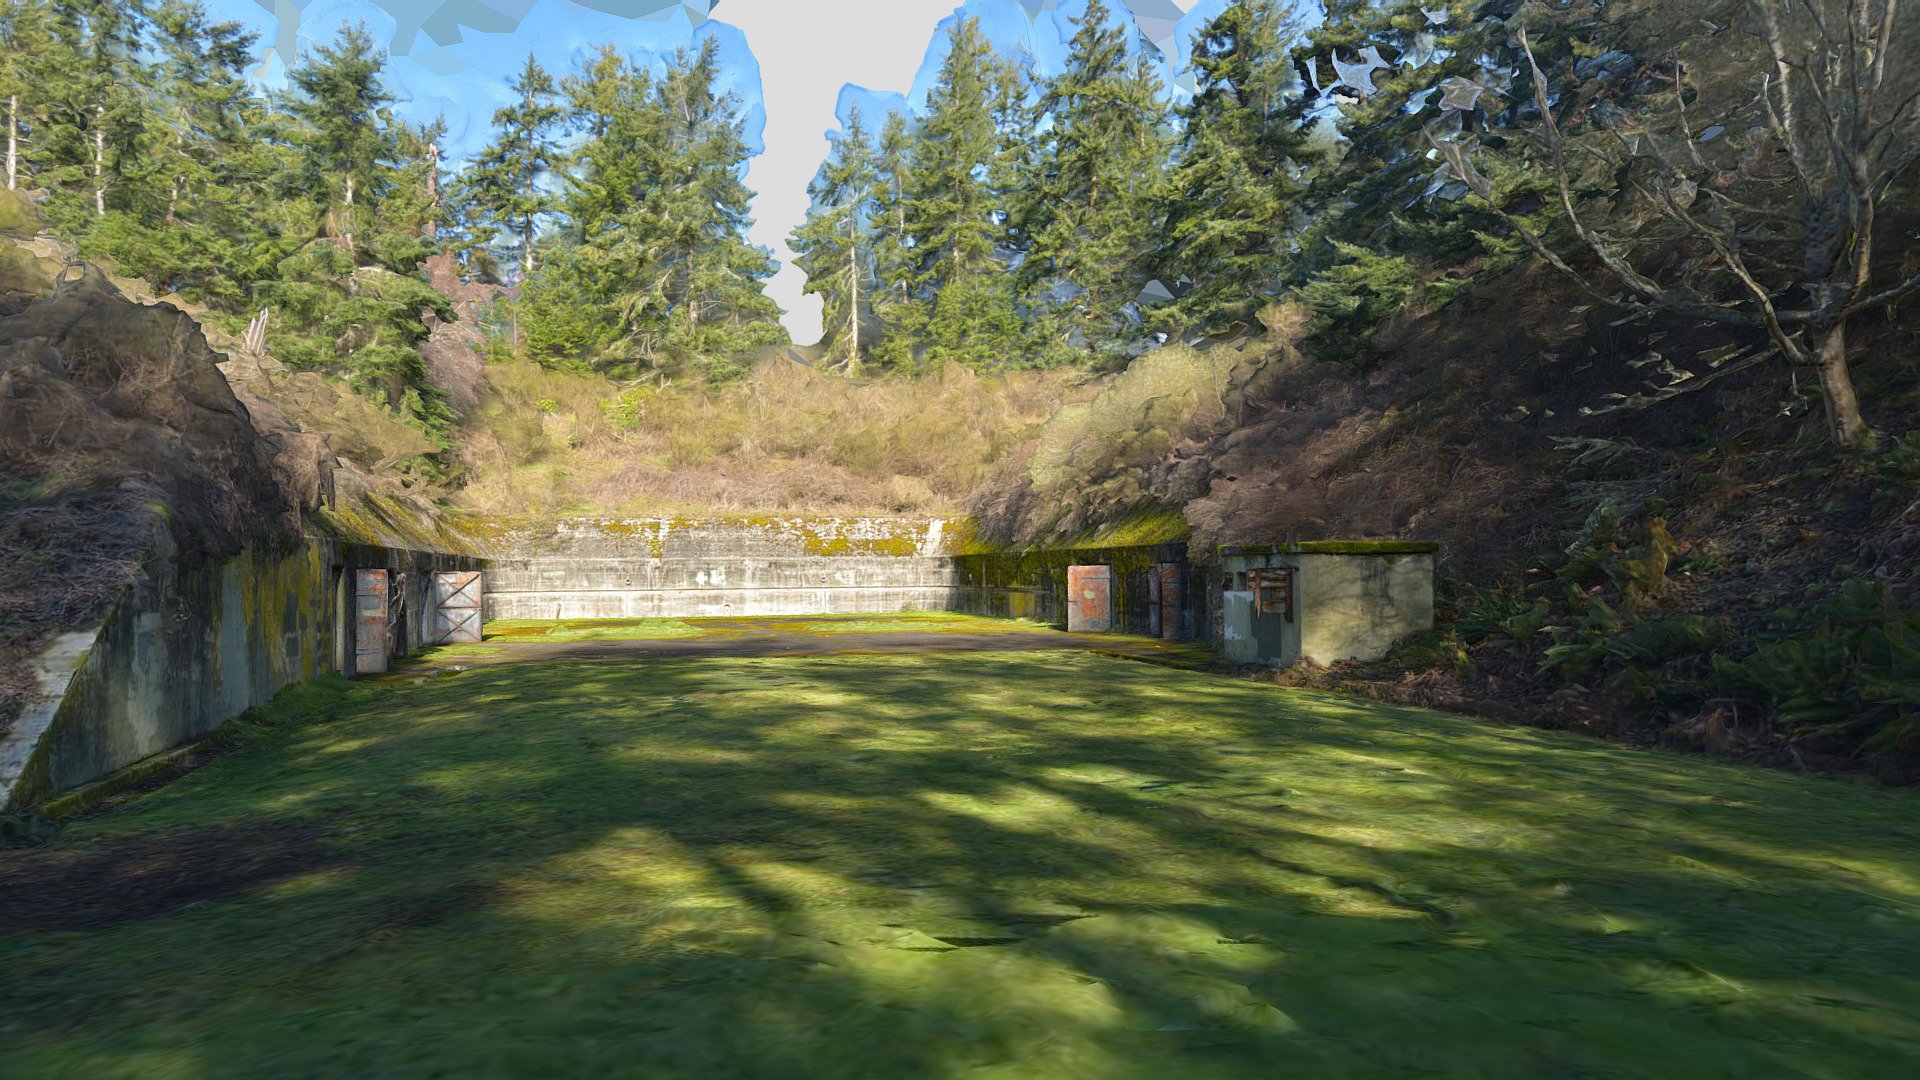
(1153, 602)
(456, 606)
(1090, 599)
(371, 637)
(1168, 595)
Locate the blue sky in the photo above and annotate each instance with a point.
(453, 58)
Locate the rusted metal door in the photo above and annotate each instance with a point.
(371, 636)
(456, 606)
(1090, 599)
(1169, 624)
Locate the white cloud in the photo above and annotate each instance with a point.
(807, 52)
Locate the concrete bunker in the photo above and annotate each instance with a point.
(1323, 601)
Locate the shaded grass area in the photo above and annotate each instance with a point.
(1007, 865)
(905, 622)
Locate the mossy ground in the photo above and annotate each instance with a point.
(1009, 865)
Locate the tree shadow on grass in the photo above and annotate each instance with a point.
(993, 865)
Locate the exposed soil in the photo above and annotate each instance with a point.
(80, 884)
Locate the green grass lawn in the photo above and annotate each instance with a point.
(961, 865)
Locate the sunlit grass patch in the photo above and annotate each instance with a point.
(589, 630)
(994, 865)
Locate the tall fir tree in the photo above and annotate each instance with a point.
(508, 179)
(1093, 202)
(97, 113)
(954, 221)
(26, 57)
(665, 271)
(196, 227)
(609, 102)
(1239, 170)
(898, 317)
(835, 244)
(345, 110)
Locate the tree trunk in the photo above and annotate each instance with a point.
(100, 161)
(693, 304)
(527, 261)
(1844, 423)
(347, 233)
(853, 294)
(13, 142)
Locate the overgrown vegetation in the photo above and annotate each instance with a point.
(783, 437)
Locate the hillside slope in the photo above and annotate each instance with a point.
(1700, 569)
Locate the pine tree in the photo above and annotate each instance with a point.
(835, 245)
(898, 316)
(953, 219)
(610, 102)
(26, 48)
(655, 263)
(194, 227)
(1091, 206)
(96, 104)
(1239, 170)
(686, 242)
(349, 142)
(508, 176)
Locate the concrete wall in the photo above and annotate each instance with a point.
(1357, 607)
(1033, 585)
(602, 569)
(1348, 605)
(185, 651)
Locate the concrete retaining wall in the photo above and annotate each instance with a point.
(1033, 585)
(183, 652)
(603, 569)
(1351, 603)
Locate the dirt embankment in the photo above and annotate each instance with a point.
(1615, 556)
(120, 441)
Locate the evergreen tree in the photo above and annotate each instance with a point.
(1091, 205)
(610, 102)
(96, 111)
(835, 245)
(656, 264)
(1238, 175)
(349, 142)
(196, 227)
(896, 314)
(953, 220)
(507, 178)
(26, 48)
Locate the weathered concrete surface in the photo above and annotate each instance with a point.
(53, 669)
(184, 651)
(676, 569)
(1354, 605)
(1033, 585)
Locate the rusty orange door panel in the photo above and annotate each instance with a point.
(371, 638)
(1090, 599)
(1169, 623)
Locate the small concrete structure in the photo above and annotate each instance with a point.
(1325, 601)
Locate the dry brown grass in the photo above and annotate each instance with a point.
(784, 438)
